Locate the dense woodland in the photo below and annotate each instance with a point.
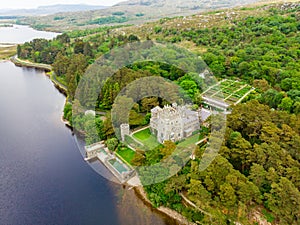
(258, 167)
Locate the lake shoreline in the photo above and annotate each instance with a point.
(172, 214)
(28, 64)
(140, 192)
(46, 68)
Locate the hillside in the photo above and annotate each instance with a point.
(50, 9)
(129, 12)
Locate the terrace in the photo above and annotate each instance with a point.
(115, 165)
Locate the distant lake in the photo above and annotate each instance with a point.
(44, 179)
(19, 34)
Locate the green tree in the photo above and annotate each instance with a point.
(286, 104)
(227, 195)
(112, 143)
(87, 50)
(139, 158)
(149, 103)
(167, 149)
(78, 46)
(258, 177)
(198, 193)
(176, 184)
(91, 133)
(68, 112)
(61, 64)
(284, 201)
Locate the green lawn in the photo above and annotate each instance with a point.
(145, 137)
(191, 140)
(130, 141)
(151, 142)
(127, 154)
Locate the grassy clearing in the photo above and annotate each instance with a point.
(145, 137)
(127, 154)
(6, 52)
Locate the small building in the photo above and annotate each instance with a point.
(94, 149)
(173, 123)
(125, 130)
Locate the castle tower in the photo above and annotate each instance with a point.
(125, 130)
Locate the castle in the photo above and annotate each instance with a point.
(173, 123)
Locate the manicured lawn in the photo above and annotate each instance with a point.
(147, 139)
(191, 140)
(130, 141)
(127, 154)
(143, 135)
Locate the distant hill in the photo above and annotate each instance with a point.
(128, 12)
(50, 9)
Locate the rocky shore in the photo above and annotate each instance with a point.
(180, 219)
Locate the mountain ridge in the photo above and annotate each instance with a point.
(50, 9)
(128, 12)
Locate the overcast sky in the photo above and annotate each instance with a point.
(17, 4)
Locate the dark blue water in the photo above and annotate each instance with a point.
(43, 177)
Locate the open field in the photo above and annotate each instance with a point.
(7, 51)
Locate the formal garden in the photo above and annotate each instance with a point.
(229, 91)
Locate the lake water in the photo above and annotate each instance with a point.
(19, 34)
(43, 177)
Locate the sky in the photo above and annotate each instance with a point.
(20, 4)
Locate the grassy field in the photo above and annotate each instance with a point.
(6, 52)
(127, 154)
(145, 137)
